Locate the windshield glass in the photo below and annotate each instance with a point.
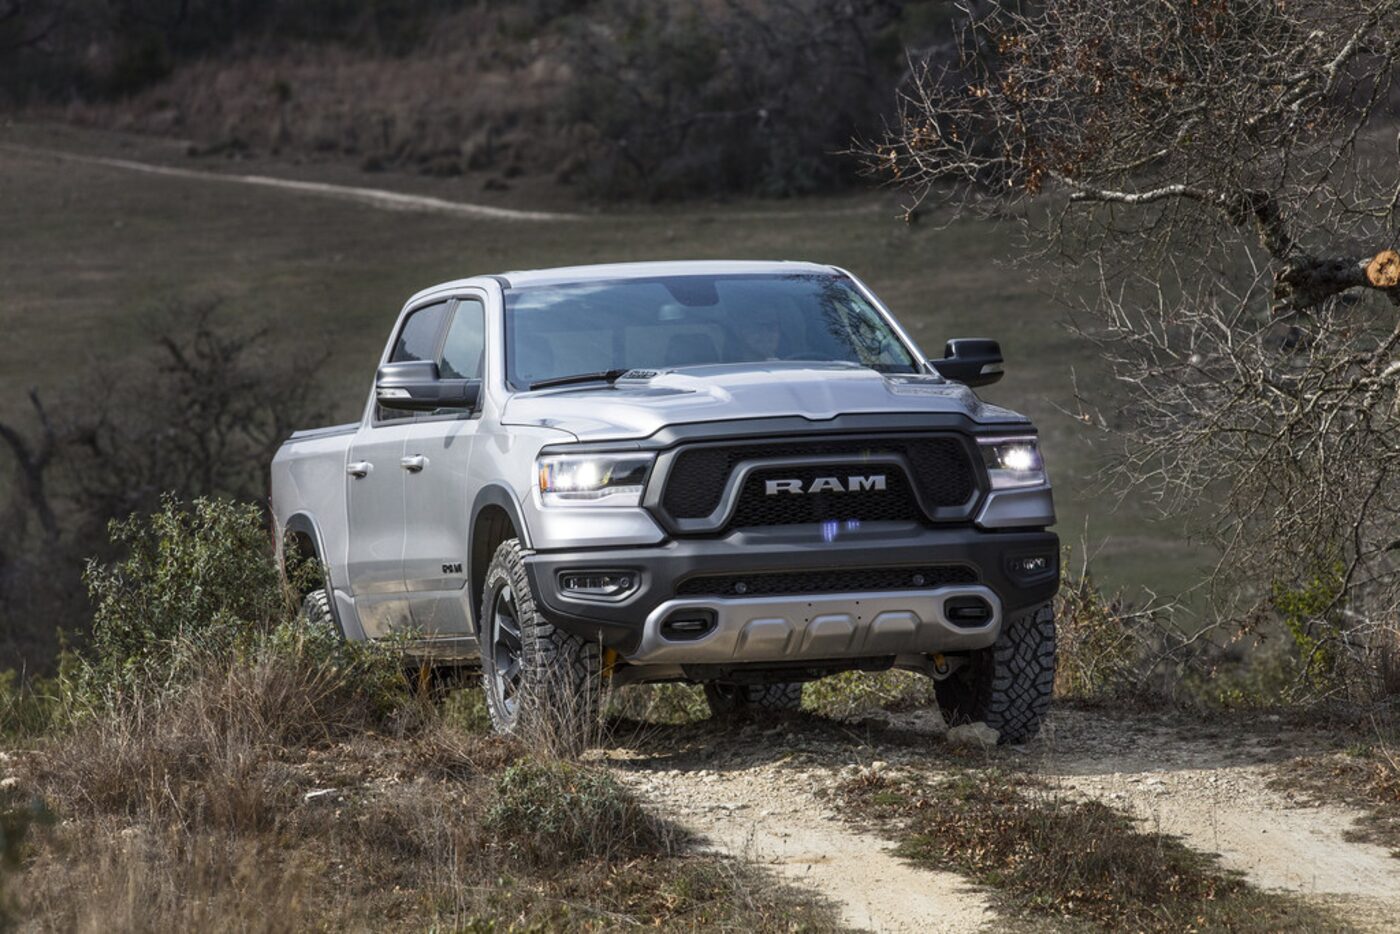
(677, 321)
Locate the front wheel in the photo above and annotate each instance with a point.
(539, 681)
(727, 700)
(1008, 685)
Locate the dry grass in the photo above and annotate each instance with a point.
(1366, 776)
(271, 796)
(1050, 855)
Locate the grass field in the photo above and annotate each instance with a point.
(89, 256)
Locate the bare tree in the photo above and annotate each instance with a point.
(1227, 174)
(201, 415)
(204, 418)
(32, 462)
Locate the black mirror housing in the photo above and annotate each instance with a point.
(972, 361)
(415, 386)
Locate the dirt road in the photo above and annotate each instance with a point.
(760, 791)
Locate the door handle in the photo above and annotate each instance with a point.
(413, 463)
(359, 468)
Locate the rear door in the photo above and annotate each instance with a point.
(375, 485)
(437, 489)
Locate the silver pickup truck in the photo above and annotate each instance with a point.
(739, 474)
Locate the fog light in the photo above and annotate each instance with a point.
(597, 583)
(967, 611)
(1036, 565)
(688, 625)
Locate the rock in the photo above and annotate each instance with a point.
(8, 782)
(973, 734)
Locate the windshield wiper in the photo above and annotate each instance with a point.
(607, 376)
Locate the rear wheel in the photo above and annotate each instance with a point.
(1008, 685)
(726, 699)
(316, 611)
(539, 680)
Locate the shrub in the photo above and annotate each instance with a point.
(17, 821)
(1100, 645)
(206, 755)
(548, 812)
(1310, 612)
(194, 582)
(853, 693)
(34, 705)
(659, 703)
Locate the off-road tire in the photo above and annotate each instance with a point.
(316, 611)
(556, 699)
(728, 700)
(1008, 685)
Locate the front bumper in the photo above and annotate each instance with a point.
(799, 627)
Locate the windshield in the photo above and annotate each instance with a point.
(677, 321)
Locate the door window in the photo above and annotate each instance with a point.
(418, 340)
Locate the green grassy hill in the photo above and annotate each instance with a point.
(92, 254)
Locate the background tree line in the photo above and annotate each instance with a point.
(625, 97)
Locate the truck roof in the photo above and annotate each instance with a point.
(613, 271)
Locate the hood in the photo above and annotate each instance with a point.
(639, 407)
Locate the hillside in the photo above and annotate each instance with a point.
(96, 253)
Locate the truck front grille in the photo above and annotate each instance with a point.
(835, 580)
(940, 470)
(895, 503)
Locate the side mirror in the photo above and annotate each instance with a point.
(973, 361)
(414, 385)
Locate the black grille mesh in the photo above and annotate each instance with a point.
(698, 477)
(836, 580)
(895, 503)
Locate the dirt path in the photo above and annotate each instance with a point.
(1213, 790)
(770, 812)
(374, 197)
(386, 199)
(760, 792)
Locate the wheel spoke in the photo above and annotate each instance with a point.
(510, 631)
(507, 647)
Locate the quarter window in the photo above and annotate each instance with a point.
(466, 340)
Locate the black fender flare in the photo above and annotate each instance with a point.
(302, 524)
(497, 495)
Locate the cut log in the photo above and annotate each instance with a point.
(1383, 272)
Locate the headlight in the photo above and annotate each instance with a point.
(593, 479)
(1013, 462)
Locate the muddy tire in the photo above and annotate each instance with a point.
(540, 682)
(1008, 685)
(727, 700)
(316, 611)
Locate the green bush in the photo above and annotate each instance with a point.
(34, 706)
(1311, 611)
(853, 693)
(552, 812)
(17, 821)
(194, 582)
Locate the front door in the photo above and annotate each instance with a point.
(375, 483)
(375, 559)
(438, 490)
